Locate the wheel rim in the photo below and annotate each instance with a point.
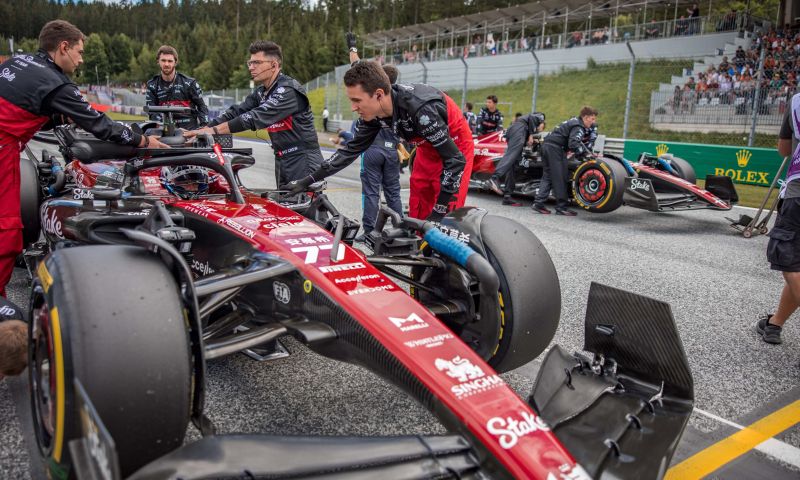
(43, 378)
(592, 185)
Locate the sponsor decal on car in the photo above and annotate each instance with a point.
(357, 278)
(202, 268)
(510, 429)
(342, 267)
(312, 252)
(307, 240)
(453, 233)
(429, 342)
(411, 322)
(238, 227)
(137, 213)
(637, 184)
(82, 194)
(282, 292)
(381, 288)
(569, 472)
(471, 378)
(51, 224)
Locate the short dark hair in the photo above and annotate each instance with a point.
(270, 49)
(13, 346)
(492, 98)
(587, 110)
(57, 31)
(392, 72)
(517, 115)
(469, 106)
(166, 50)
(369, 75)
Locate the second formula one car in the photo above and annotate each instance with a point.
(140, 281)
(605, 182)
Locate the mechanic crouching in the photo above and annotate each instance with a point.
(13, 340)
(569, 136)
(279, 105)
(520, 133)
(35, 93)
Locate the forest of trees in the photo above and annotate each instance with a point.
(212, 35)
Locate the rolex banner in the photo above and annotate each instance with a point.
(754, 166)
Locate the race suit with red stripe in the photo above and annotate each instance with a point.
(33, 92)
(429, 119)
(182, 91)
(283, 110)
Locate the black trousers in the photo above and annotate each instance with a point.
(296, 165)
(504, 172)
(555, 175)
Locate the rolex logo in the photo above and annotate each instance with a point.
(661, 149)
(743, 157)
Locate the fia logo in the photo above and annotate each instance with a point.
(282, 292)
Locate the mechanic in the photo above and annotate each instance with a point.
(13, 340)
(416, 112)
(783, 249)
(520, 133)
(569, 136)
(490, 119)
(380, 163)
(36, 93)
(279, 105)
(171, 87)
(471, 118)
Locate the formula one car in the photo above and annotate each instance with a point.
(138, 285)
(603, 183)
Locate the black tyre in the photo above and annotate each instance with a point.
(530, 293)
(684, 169)
(598, 185)
(30, 196)
(110, 316)
(529, 296)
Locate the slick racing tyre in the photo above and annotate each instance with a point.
(529, 295)
(598, 185)
(111, 317)
(30, 194)
(684, 169)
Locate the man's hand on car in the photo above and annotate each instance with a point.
(199, 131)
(151, 141)
(298, 186)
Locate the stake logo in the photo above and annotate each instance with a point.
(509, 430)
(637, 184)
(52, 224)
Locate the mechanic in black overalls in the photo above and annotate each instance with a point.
(567, 136)
(490, 119)
(172, 88)
(279, 105)
(380, 165)
(517, 136)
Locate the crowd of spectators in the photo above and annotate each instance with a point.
(735, 81)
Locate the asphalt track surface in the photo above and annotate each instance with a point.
(716, 281)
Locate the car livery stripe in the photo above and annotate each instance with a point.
(44, 276)
(55, 328)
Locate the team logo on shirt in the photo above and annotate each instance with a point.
(280, 90)
(424, 120)
(6, 73)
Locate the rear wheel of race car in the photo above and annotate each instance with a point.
(111, 317)
(684, 169)
(530, 293)
(30, 200)
(598, 185)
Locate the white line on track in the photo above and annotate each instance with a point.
(774, 448)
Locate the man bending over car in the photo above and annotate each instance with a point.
(420, 114)
(35, 93)
(279, 105)
(520, 133)
(172, 88)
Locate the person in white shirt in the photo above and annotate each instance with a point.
(325, 115)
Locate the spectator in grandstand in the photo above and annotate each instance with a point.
(172, 88)
(653, 30)
(519, 134)
(784, 244)
(694, 19)
(681, 26)
(676, 99)
(690, 83)
(490, 119)
(569, 136)
(471, 118)
(687, 99)
(491, 45)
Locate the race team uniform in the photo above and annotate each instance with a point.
(430, 120)
(283, 110)
(516, 138)
(182, 91)
(33, 90)
(489, 122)
(380, 169)
(472, 120)
(567, 136)
(784, 241)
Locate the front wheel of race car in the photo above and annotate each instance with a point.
(684, 169)
(111, 317)
(598, 185)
